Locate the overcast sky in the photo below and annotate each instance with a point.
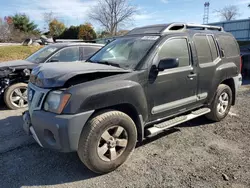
(74, 12)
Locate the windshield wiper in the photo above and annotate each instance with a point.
(109, 63)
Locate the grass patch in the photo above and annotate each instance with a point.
(8, 53)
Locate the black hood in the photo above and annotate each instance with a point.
(52, 75)
(18, 64)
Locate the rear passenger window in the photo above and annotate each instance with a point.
(203, 49)
(213, 47)
(229, 45)
(87, 52)
(176, 48)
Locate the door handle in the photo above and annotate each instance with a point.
(192, 75)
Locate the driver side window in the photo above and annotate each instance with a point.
(66, 55)
(175, 48)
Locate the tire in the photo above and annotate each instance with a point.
(216, 114)
(10, 93)
(92, 140)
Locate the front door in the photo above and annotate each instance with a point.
(173, 90)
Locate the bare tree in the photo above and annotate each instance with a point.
(48, 17)
(228, 13)
(5, 31)
(111, 14)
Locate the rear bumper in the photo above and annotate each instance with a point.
(237, 83)
(57, 132)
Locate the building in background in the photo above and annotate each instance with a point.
(239, 28)
(241, 31)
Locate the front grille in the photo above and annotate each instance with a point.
(36, 101)
(39, 103)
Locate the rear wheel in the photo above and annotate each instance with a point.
(221, 104)
(15, 96)
(106, 141)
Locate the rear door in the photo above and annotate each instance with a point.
(67, 54)
(208, 58)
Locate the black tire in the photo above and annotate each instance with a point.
(91, 136)
(214, 115)
(8, 92)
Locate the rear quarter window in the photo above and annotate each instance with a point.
(203, 49)
(229, 45)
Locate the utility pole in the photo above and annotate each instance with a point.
(206, 13)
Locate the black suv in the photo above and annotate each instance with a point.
(137, 86)
(14, 75)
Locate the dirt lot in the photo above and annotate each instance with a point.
(195, 154)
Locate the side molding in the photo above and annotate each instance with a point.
(178, 103)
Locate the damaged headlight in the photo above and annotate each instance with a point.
(56, 101)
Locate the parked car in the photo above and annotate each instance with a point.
(135, 87)
(14, 75)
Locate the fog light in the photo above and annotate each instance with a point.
(49, 137)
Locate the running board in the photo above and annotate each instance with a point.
(158, 128)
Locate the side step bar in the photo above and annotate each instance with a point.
(158, 128)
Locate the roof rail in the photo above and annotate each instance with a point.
(184, 26)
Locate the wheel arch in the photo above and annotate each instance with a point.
(230, 82)
(131, 111)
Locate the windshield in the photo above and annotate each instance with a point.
(41, 55)
(125, 52)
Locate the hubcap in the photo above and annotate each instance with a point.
(112, 143)
(223, 103)
(18, 97)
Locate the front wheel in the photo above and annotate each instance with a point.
(106, 141)
(15, 96)
(221, 104)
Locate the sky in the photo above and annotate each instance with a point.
(75, 12)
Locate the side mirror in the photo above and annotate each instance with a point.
(53, 60)
(168, 63)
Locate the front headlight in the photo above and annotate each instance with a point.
(56, 101)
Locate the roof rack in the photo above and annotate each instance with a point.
(184, 26)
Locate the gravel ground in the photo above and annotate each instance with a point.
(196, 154)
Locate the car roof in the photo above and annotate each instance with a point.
(66, 44)
(163, 29)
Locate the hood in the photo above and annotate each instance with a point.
(52, 75)
(17, 64)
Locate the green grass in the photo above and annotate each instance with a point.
(8, 53)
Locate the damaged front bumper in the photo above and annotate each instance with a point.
(4, 83)
(56, 132)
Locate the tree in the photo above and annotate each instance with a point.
(103, 34)
(86, 32)
(228, 13)
(56, 28)
(23, 23)
(48, 17)
(70, 33)
(112, 14)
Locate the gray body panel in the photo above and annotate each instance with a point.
(17, 64)
(65, 128)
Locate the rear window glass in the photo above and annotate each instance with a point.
(229, 45)
(203, 49)
(213, 47)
